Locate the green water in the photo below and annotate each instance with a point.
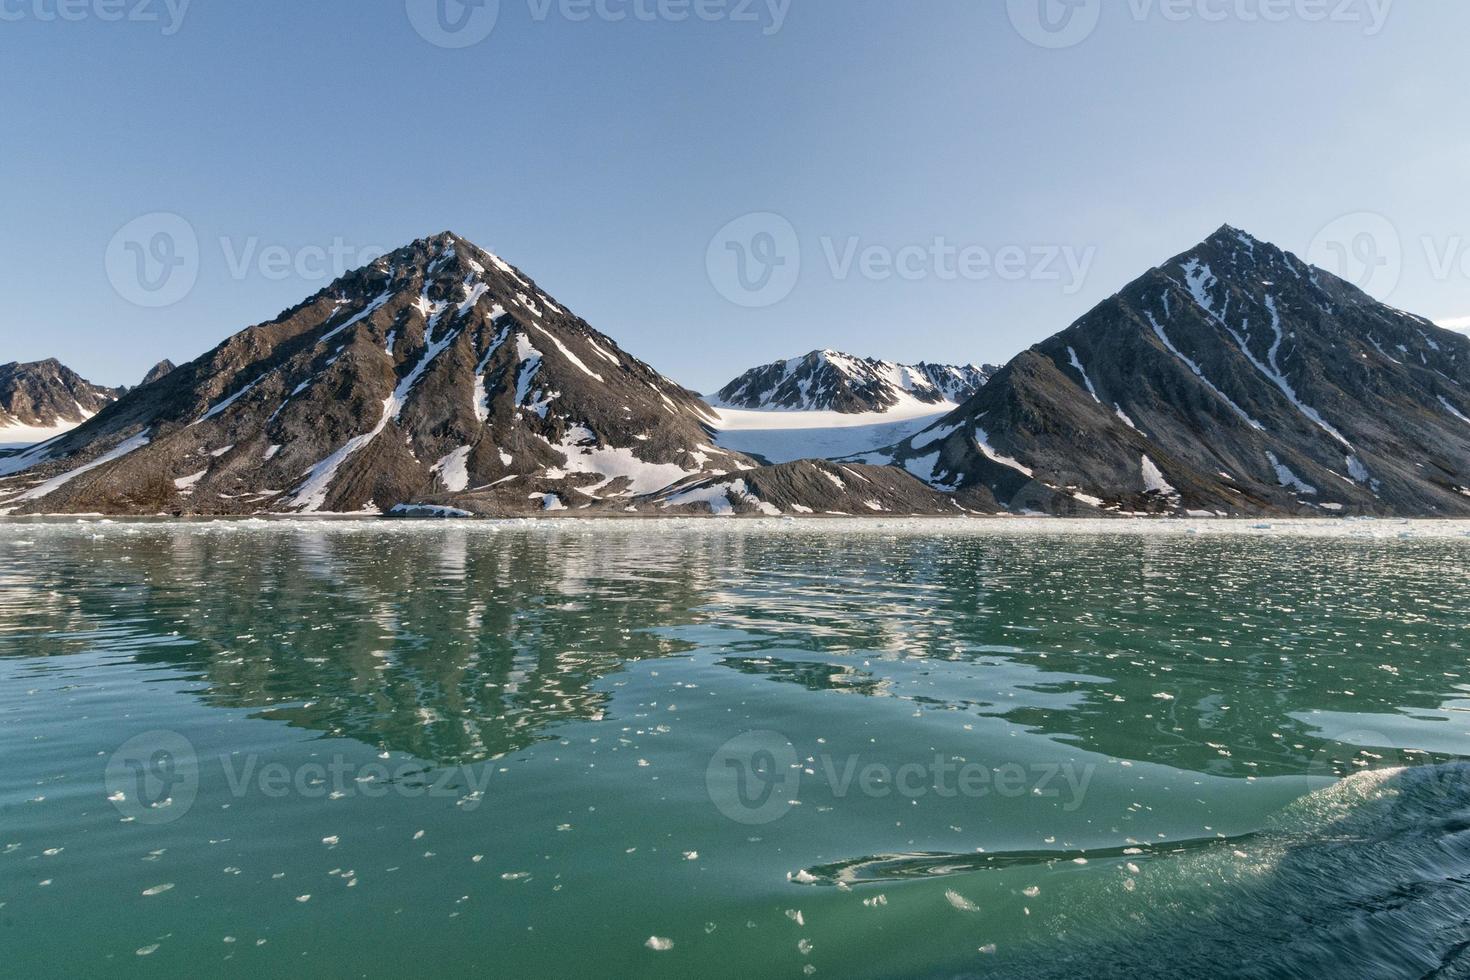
(837, 750)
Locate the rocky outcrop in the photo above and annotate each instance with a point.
(158, 370)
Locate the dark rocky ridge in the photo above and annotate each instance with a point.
(1233, 379)
(47, 393)
(434, 371)
(158, 370)
(828, 380)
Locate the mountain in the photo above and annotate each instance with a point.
(830, 381)
(44, 398)
(1233, 379)
(438, 374)
(158, 370)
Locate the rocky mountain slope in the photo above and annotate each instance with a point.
(45, 394)
(1233, 379)
(439, 371)
(806, 487)
(158, 370)
(830, 381)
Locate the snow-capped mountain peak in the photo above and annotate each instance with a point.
(438, 371)
(43, 399)
(832, 381)
(1233, 378)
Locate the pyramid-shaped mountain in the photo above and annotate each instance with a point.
(439, 371)
(1233, 379)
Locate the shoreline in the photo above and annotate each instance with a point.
(1378, 529)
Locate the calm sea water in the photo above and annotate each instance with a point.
(705, 750)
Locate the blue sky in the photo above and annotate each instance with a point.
(605, 156)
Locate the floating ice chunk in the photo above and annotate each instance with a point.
(960, 902)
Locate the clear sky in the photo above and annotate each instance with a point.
(606, 156)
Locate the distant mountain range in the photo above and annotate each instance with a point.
(46, 395)
(828, 380)
(1232, 380)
